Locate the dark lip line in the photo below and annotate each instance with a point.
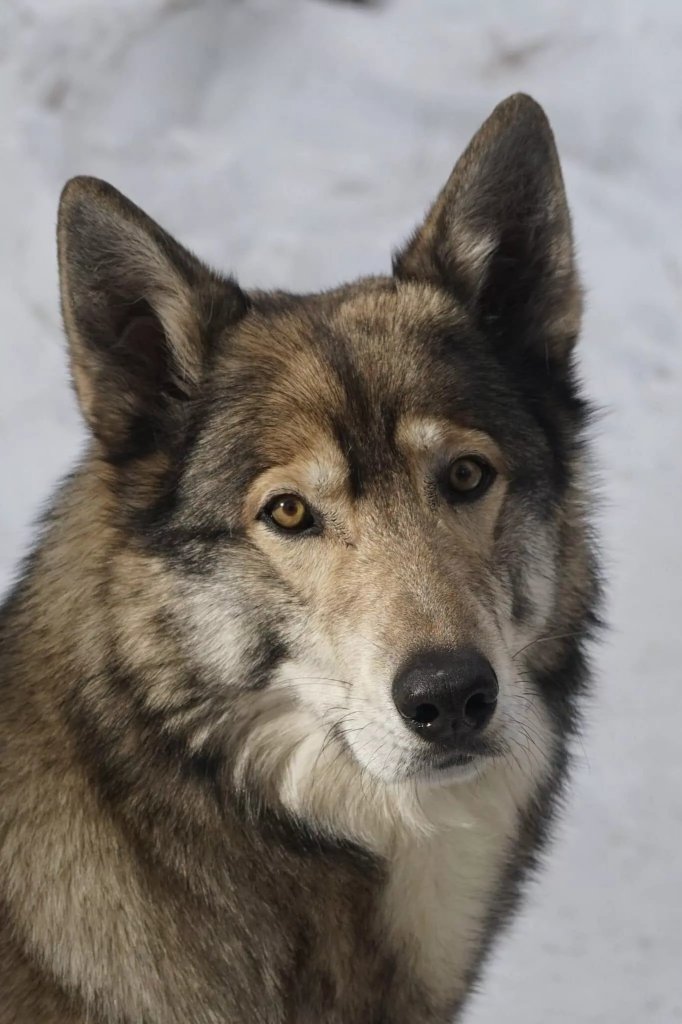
(460, 760)
(457, 761)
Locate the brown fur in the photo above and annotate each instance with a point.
(193, 825)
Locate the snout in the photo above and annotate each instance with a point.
(448, 697)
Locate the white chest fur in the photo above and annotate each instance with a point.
(446, 846)
(442, 881)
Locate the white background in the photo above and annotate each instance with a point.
(296, 143)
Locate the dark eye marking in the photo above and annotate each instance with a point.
(289, 513)
(466, 479)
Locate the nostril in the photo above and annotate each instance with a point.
(446, 696)
(478, 709)
(424, 714)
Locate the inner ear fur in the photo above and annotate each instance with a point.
(499, 235)
(141, 315)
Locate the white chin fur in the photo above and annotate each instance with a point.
(303, 760)
(339, 757)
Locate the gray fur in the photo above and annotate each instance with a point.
(210, 809)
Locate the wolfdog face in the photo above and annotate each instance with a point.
(354, 519)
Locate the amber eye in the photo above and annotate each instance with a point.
(467, 478)
(289, 512)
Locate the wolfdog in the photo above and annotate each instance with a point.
(289, 681)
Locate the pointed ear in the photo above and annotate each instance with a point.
(499, 235)
(141, 314)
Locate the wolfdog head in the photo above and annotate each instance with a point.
(350, 527)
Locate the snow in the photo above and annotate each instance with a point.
(297, 142)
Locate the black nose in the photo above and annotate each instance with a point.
(446, 696)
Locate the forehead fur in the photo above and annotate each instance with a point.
(347, 361)
(344, 366)
(373, 329)
(349, 365)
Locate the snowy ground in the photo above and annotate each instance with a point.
(297, 142)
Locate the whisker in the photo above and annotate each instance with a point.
(318, 679)
(544, 640)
